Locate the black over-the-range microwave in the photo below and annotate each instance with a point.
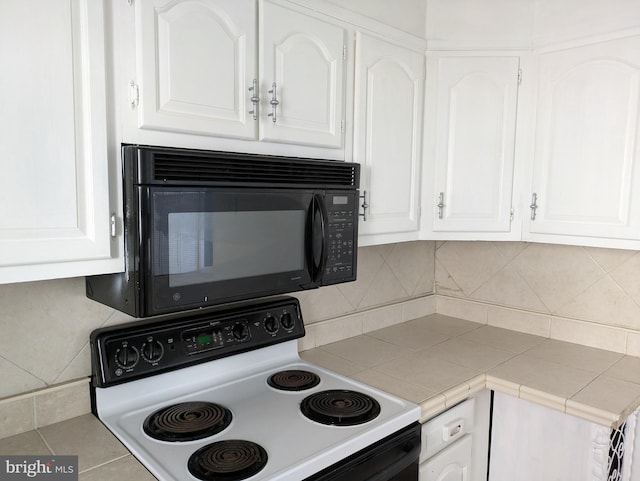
(205, 227)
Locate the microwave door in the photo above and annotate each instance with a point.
(219, 245)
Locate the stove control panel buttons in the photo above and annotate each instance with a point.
(152, 351)
(286, 320)
(127, 357)
(138, 350)
(240, 331)
(271, 324)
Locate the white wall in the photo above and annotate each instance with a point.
(406, 15)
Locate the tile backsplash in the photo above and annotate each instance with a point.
(568, 292)
(45, 325)
(584, 295)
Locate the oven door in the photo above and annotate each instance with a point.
(211, 245)
(395, 458)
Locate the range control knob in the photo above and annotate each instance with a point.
(287, 321)
(152, 351)
(240, 332)
(271, 324)
(127, 357)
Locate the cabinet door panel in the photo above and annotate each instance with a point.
(388, 133)
(530, 442)
(304, 57)
(475, 136)
(196, 61)
(587, 142)
(54, 192)
(452, 464)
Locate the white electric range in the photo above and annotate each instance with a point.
(223, 395)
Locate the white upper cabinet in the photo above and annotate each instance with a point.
(586, 172)
(389, 84)
(471, 108)
(202, 70)
(196, 61)
(55, 217)
(302, 75)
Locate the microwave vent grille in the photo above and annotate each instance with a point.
(252, 169)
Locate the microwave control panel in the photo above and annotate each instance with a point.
(342, 214)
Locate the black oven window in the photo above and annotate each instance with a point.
(216, 246)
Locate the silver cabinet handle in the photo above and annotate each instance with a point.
(364, 206)
(255, 99)
(440, 205)
(274, 102)
(534, 205)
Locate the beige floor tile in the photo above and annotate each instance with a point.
(627, 368)
(470, 354)
(449, 326)
(399, 387)
(428, 371)
(126, 468)
(29, 444)
(512, 341)
(365, 351)
(412, 335)
(575, 355)
(85, 437)
(610, 394)
(554, 379)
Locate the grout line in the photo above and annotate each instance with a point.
(105, 463)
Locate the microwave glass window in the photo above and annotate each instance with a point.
(216, 246)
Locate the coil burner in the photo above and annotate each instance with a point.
(340, 407)
(293, 380)
(229, 460)
(187, 421)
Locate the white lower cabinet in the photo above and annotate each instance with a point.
(530, 442)
(452, 464)
(455, 443)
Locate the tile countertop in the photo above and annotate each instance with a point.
(435, 361)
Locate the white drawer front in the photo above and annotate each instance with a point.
(446, 428)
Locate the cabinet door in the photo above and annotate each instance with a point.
(196, 61)
(475, 109)
(586, 172)
(389, 84)
(530, 442)
(452, 464)
(54, 191)
(304, 57)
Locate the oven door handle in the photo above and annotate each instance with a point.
(319, 237)
(411, 452)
